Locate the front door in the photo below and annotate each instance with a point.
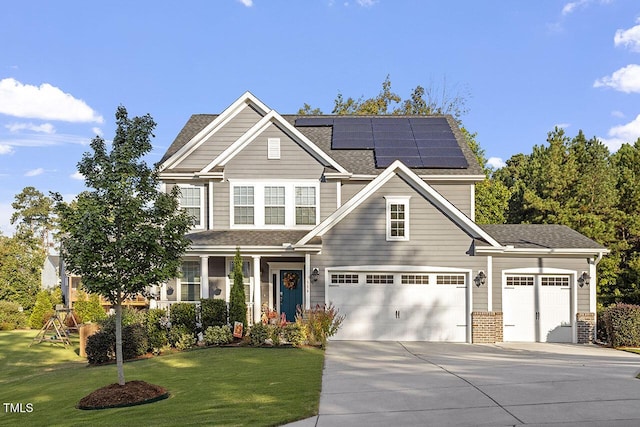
(290, 292)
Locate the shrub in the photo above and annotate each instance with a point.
(218, 335)
(275, 334)
(237, 301)
(100, 348)
(134, 341)
(11, 317)
(623, 325)
(295, 334)
(42, 311)
(88, 308)
(213, 312)
(258, 334)
(183, 314)
(130, 316)
(181, 337)
(320, 323)
(157, 326)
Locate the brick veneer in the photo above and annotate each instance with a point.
(486, 327)
(586, 323)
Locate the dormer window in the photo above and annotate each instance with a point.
(397, 218)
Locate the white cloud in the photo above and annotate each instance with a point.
(563, 125)
(34, 172)
(496, 162)
(618, 114)
(44, 102)
(628, 38)
(77, 175)
(44, 140)
(619, 135)
(97, 131)
(366, 3)
(247, 3)
(626, 79)
(5, 149)
(572, 6)
(43, 128)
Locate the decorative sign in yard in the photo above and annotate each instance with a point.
(237, 329)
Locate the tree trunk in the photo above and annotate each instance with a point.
(119, 361)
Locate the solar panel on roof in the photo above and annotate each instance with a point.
(444, 162)
(398, 152)
(352, 120)
(436, 142)
(439, 151)
(385, 161)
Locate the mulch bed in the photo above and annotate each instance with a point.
(130, 394)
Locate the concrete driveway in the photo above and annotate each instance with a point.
(443, 384)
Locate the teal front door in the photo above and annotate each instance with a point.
(290, 292)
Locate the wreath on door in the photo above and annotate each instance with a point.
(290, 280)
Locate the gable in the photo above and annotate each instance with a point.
(213, 145)
(421, 188)
(253, 162)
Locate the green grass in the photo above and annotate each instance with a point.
(214, 386)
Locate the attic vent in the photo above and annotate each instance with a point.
(273, 148)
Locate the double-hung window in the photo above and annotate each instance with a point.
(397, 218)
(305, 205)
(243, 205)
(192, 201)
(274, 205)
(190, 281)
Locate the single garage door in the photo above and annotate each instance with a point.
(400, 306)
(537, 308)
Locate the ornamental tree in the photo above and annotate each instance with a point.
(123, 234)
(237, 298)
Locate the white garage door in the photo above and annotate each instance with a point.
(537, 308)
(400, 307)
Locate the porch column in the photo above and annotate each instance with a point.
(307, 281)
(489, 284)
(593, 283)
(257, 303)
(204, 277)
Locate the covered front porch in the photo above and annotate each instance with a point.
(276, 275)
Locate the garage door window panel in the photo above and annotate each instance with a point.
(340, 278)
(450, 279)
(415, 279)
(379, 279)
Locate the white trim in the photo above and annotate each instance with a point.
(307, 281)
(247, 99)
(424, 189)
(274, 268)
(272, 118)
(473, 202)
(510, 250)
(489, 284)
(200, 187)
(398, 200)
(204, 276)
(210, 225)
(338, 194)
(257, 290)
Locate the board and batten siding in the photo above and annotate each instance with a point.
(223, 138)
(294, 162)
(501, 264)
(360, 239)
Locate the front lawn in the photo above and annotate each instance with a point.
(214, 386)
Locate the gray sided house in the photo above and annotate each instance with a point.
(374, 214)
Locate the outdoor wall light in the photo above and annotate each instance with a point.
(315, 273)
(584, 279)
(480, 279)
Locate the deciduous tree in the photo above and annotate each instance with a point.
(122, 235)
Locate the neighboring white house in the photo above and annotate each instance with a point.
(374, 214)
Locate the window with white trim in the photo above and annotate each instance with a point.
(192, 201)
(519, 280)
(554, 281)
(274, 205)
(379, 279)
(190, 281)
(450, 279)
(305, 205)
(344, 278)
(415, 279)
(243, 205)
(397, 218)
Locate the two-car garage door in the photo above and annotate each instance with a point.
(392, 306)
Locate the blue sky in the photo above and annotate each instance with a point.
(526, 66)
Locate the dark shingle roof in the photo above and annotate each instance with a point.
(246, 237)
(538, 236)
(360, 162)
